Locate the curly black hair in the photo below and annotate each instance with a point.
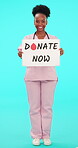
(41, 9)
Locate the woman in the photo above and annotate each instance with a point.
(40, 82)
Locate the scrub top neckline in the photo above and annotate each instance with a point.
(43, 38)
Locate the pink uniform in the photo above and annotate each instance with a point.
(40, 85)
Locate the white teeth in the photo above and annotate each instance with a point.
(40, 27)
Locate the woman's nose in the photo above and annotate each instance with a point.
(40, 23)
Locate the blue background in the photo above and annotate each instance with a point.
(16, 21)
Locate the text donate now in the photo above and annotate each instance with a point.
(41, 52)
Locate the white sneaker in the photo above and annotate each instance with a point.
(36, 141)
(47, 141)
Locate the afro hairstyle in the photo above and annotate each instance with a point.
(41, 9)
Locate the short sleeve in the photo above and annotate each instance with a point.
(55, 37)
(52, 37)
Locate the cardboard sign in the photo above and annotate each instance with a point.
(41, 52)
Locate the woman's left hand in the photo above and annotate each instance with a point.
(61, 51)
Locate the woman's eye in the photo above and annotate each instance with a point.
(43, 21)
(37, 21)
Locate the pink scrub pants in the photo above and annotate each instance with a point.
(40, 97)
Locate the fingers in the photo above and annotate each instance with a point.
(60, 49)
(20, 54)
(62, 52)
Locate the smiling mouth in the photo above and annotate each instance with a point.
(40, 27)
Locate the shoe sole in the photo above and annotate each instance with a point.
(36, 144)
(47, 144)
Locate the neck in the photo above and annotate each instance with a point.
(40, 32)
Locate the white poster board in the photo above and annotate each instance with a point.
(41, 52)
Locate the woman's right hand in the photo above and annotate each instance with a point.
(20, 54)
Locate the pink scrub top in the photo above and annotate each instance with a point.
(35, 73)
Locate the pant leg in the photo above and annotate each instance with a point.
(47, 98)
(33, 90)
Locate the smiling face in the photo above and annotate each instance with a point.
(40, 21)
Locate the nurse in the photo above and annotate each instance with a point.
(40, 83)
